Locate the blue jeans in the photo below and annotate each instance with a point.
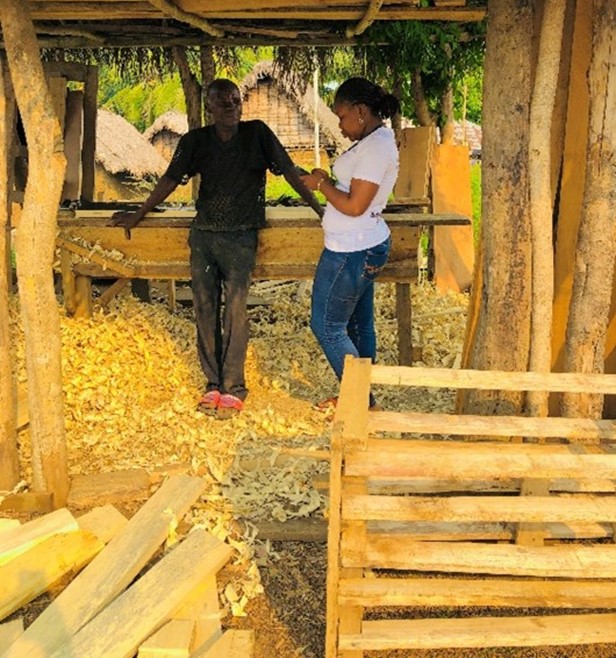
(342, 317)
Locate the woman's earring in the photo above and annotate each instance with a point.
(361, 120)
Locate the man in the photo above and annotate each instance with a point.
(232, 158)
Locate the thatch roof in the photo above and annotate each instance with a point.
(328, 121)
(122, 149)
(173, 121)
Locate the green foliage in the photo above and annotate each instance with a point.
(443, 52)
(142, 103)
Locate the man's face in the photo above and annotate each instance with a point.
(225, 106)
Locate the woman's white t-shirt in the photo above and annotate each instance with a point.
(375, 159)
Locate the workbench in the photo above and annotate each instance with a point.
(289, 248)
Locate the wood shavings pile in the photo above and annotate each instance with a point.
(132, 380)
(111, 255)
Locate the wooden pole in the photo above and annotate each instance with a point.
(34, 243)
(541, 201)
(9, 456)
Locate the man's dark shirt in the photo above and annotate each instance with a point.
(232, 189)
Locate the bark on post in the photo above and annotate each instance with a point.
(9, 455)
(596, 249)
(35, 242)
(500, 340)
(541, 201)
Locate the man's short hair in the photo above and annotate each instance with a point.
(221, 84)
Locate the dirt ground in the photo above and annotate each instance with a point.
(131, 381)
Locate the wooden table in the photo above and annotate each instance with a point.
(289, 248)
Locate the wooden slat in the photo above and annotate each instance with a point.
(516, 509)
(119, 629)
(557, 630)
(9, 632)
(25, 536)
(352, 409)
(112, 570)
(172, 640)
(494, 379)
(42, 566)
(494, 426)
(233, 644)
(556, 561)
(466, 592)
(469, 466)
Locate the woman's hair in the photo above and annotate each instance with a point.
(359, 90)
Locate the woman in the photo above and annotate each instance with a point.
(357, 239)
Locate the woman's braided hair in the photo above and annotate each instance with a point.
(360, 90)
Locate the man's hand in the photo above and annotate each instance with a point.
(127, 220)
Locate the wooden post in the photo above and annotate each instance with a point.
(9, 456)
(35, 243)
(89, 134)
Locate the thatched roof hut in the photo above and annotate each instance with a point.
(289, 112)
(126, 162)
(165, 132)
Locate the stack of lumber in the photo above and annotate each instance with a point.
(125, 597)
(450, 531)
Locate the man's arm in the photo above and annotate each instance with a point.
(293, 178)
(165, 186)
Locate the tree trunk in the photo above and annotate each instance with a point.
(501, 332)
(594, 263)
(541, 209)
(447, 131)
(35, 240)
(396, 90)
(191, 87)
(208, 73)
(9, 455)
(422, 111)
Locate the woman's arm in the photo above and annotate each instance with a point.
(353, 203)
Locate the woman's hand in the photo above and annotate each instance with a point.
(315, 179)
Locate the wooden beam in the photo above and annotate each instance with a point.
(119, 628)
(112, 570)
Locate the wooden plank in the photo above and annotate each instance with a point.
(572, 382)
(104, 522)
(119, 629)
(467, 592)
(534, 533)
(112, 570)
(173, 640)
(470, 467)
(233, 644)
(9, 632)
(353, 401)
(112, 487)
(555, 561)
(203, 611)
(416, 145)
(23, 414)
(29, 501)
(404, 314)
(9, 524)
(557, 630)
(112, 292)
(106, 263)
(44, 565)
(516, 509)
(24, 537)
(493, 426)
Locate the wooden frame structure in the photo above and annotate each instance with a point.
(497, 523)
(289, 248)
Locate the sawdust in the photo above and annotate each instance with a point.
(131, 381)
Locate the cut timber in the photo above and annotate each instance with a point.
(29, 534)
(30, 501)
(416, 145)
(9, 632)
(44, 565)
(112, 570)
(202, 608)
(173, 640)
(8, 524)
(118, 630)
(555, 630)
(233, 644)
(454, 251)
(109, 488)
(103, 522)
(22, 407)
